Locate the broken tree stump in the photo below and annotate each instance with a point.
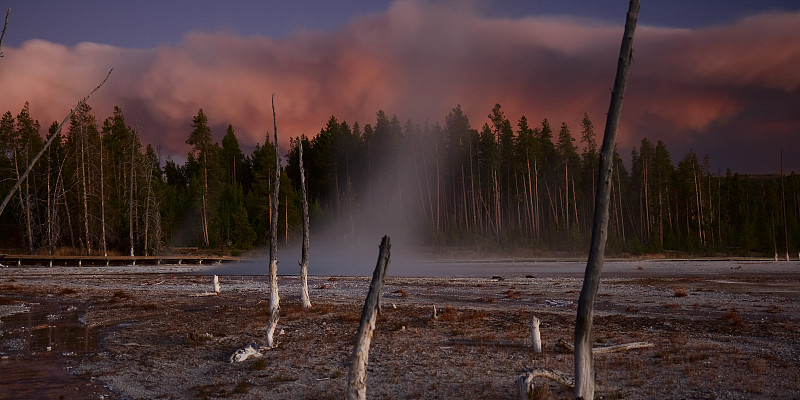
(536, 337)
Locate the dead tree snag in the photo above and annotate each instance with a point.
(584, 368)
(274, 299)
(357, 375)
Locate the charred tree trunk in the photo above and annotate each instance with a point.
(357, 374)
(584, 368)
(274, 299)
(306, 231)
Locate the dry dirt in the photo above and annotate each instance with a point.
(144, 334)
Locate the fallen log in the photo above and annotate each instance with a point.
(245, 353)
(569, 348)
(525, 382)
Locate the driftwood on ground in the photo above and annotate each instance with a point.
(245, 353)
(525, 381)
(567, 347)
(357, 374)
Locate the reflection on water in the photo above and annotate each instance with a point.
(37, 345)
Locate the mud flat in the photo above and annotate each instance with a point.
(721, 329)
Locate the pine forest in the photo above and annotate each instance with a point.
(503, 186)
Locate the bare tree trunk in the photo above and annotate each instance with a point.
(23, 204)
(148, 200)
(130, 200)
(621, 214)
(306, 232)
(84, 178)
(584, 368)
(102, 203)
(47, 144)
(783, 207)
(357, 374)
(274, 299)
(206, 241)
(50, 202)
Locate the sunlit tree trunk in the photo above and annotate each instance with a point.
(274, 299)
(357, 373)
(306, 231)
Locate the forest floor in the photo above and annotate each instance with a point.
(144, 333)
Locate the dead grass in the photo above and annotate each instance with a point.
(733, 318)
(66, 291)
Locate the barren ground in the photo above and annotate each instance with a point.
(730, 330)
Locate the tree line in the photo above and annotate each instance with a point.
(502, 186)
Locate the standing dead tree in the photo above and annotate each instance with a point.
(357, 375)
(274, 299)
(47, 144)
(304, 258)
(584, 368)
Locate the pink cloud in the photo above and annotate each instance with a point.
(418, 60)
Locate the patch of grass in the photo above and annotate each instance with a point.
(4, 301)
(259, 364)
(733, 318)
(195, 339)
(679, 291)
(399, 326)
(350, 316)
(540, 392)
(66, 291)
(8, 288)
(280, 378)
(241, 388)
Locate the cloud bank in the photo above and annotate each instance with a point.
(732, 91)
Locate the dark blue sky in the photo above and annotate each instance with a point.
(148, 23)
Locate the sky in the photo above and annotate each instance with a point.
(719, 77)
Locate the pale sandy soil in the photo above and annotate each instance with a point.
(735, 334)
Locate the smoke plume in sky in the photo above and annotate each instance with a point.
(730, 90)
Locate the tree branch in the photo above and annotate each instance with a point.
(47, 144)
(3, 35)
